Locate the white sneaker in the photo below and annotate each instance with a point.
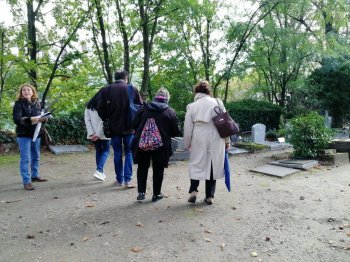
(98, 175)
(117, 184)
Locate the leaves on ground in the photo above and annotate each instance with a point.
(136, 249)
(86, 238)
(90, 205)
(222, 246)
(139, 224)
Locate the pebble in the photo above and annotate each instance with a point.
(302, 198)
(254, 254)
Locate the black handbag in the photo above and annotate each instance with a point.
(225, 125)
(107, 123)
(107, 128)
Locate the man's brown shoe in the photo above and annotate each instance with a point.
(28, 187)
(38, 179)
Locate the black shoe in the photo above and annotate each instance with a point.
(38, 179)
(209, 200)
(141, 196)
(155, 198)
(192, 199)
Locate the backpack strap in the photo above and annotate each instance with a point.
(131, 93)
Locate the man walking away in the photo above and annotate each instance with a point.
(115, 106)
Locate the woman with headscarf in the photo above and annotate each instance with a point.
(155, 124)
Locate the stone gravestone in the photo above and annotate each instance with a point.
(258, 133)
(327, 120)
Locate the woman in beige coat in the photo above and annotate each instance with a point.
(207, 148)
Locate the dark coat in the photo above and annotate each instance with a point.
(118, 113)
(167, 123)
(23, 110)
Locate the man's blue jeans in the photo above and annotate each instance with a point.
(123, 174)
(29, 155)
(102, 151)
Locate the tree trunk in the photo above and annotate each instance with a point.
(148, 34)
(32, 43)
(104, 42)
(124, 33)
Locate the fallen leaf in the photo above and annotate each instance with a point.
(86, 239)
(139, 224)
(208, 231)
(207, 239)
(348, 234)
(90, 205)
(222, 246)
(347, 248)
(12, 201)
(30, 236)
(198, 210)
(136, 249)
(105, 222)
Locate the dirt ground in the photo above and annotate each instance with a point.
(304, 217)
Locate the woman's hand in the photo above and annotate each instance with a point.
(95, 137)
(35, 119)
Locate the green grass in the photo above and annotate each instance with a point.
(251, 146)
(9, 159)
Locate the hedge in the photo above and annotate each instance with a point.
(249, 112)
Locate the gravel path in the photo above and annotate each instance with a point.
(304, 217)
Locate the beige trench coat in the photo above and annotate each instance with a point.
(202, 138)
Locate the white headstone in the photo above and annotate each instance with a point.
(258, 133)
(328, 120)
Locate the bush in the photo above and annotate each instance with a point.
(7, 137)
(249, 112)
(308, 135)
(68, 129)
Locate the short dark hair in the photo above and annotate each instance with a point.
(120, 74)
(202, 86)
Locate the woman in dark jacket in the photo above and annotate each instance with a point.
(26, 115)
(167, 126)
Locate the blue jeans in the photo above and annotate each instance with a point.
(29, 155)
(102, 151)
(123, 174)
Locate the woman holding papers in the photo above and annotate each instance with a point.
(94, 128)
(26, 115)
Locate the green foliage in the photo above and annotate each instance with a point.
(250, 146)
(249, 112)
(68, 129)
(330, 86)
(308, 135)
(7, 137)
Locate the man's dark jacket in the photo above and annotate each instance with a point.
(118, 112)
(167, 124)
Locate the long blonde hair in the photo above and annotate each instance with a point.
(34, 96)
